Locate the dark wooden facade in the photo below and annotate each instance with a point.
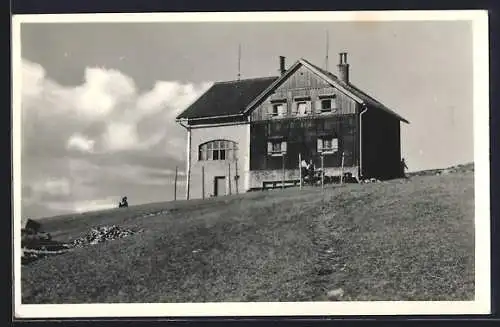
(303, 83)
(301, 136)
(302, 132)
(381, 145)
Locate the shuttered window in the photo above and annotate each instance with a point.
(276, 147)
(302, 108)
(277, 109)
(328, 145)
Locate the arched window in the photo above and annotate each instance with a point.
(218, 150)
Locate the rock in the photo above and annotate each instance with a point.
(335, 295)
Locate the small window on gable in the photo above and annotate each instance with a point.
(328, 104)
(328, 145)
(278, 109)
(276, 147)
(302, 108)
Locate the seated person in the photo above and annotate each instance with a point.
(304, 167)
(123, 203)
(311, 169)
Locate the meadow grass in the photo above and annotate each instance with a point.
(397, 240)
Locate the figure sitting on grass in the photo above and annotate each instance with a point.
(123, 203)
(311, 170)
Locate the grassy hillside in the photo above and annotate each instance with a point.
(397, 240)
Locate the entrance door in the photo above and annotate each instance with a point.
(220, 186)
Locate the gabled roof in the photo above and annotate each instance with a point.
(365, 98)
(236, 98)
(227, 98)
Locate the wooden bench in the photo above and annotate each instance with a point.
(275, 184)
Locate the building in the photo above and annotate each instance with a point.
(244, 134)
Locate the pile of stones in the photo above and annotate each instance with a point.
(101, 234)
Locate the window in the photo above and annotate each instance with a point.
(328, 104)
(278, 109)
(218, 150)
(327, 145)
(302, 108)
(276, 147)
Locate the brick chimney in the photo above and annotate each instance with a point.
(343, 67)
(282, 65)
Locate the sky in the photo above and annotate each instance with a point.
(99, 100)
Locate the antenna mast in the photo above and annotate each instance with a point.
(239, 61)
(326, 57)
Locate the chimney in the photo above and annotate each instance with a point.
(282, 65)
(343, 67)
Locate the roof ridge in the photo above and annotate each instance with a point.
(246, 79)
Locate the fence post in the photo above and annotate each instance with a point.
(300, 171)
(175, 184)
(283, 171)
(342, 170)
(236, 176)
(229, 176)
(203, 182)
(322, 171)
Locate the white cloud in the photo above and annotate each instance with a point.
(80, 143)
(103, 91)
(120, 136)
(32, 80)
(53, 186)
(171, 96)
(104, 116)
(109, 97)
(83, 206)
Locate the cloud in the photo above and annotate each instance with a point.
(100, 137)
(80, 143)
(83, 206)
(57, 187)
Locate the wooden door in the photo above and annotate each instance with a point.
(220, 186)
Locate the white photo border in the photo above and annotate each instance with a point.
(482, 300)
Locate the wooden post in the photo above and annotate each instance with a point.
(229, 176)
(236, 176)
(283, 174)
(175, 184)
(188, 166)
(300, 171)
(203, 182)
(322, 171)
(342, 170)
